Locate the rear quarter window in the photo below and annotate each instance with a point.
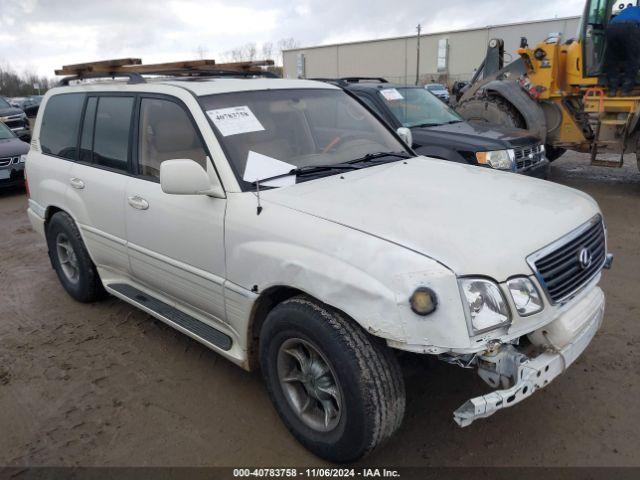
(60, 125)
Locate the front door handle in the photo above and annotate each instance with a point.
(77, 183)
(138, 202)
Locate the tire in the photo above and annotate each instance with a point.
(554, 153)
(71, 261)
(369, 395)
(494, 110)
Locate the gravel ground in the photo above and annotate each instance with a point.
(105, 384)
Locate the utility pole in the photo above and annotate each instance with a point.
(419, 28)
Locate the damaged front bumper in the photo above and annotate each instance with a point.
(523, 375)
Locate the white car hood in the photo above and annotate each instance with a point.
(473, 220)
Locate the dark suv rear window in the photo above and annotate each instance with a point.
(59, 130)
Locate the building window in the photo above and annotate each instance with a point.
(443, 55)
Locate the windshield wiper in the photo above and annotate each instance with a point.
(308, 170)
(369, 157)
(311, 169)
(422, 125)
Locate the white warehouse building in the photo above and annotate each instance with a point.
(444, 56)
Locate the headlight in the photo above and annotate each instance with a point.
(23, 158)
(486, 305)
(525, 296)
(500, 159)
(423, 301)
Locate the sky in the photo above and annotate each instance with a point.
(41, 35)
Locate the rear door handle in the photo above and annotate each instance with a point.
(138, 202)
(77, 183)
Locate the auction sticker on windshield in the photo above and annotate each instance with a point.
(235, 120)
(261, 166)
(391, 94)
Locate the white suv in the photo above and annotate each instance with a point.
(283, 226)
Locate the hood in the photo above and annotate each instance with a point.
(474, 220)
(8, 112)
(472, 137)
(12, 147)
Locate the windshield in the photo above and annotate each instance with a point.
(5, 132)
(4, 103)
(302, 128)
(414, 106)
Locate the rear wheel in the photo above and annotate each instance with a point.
(71, 261)
(339, 391)
(491, 109)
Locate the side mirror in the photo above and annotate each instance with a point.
(405, 134)
(186, 177)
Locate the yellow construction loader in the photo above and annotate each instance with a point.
(558, 89)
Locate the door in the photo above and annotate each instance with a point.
(98, 180)
(175, 242)
(594, 23)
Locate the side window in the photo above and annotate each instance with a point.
(60, 124)
(111, 135)
(166, 133)
(86, 139)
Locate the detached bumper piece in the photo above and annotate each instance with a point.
(507, 367)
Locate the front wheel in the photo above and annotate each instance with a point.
(339, 391)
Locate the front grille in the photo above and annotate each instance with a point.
(6, 161)
(528, 155)
(559, 267)
(18, 123)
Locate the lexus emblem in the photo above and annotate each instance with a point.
(585, 258)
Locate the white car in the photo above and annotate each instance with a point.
(283, 226)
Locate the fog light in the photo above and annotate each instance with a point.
(423, 301)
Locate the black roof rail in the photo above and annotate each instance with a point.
(134, 78)
(335, 81)
(363, 79)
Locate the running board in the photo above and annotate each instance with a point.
(173, 316)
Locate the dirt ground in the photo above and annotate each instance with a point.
(105, 384)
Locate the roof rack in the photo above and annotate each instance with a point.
(133, 69)
(363, 79)
(347, 80)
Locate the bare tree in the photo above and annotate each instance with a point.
(28, 83)
(243, 53)
(267, 51)
(249, 52)
(201, 52)
(286, 44)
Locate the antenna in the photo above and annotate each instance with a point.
(259, 207)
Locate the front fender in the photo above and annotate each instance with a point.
(367, 278)
(333, 281)
(526, 106)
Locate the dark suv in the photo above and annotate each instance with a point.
(440, 132)
(15, 119)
